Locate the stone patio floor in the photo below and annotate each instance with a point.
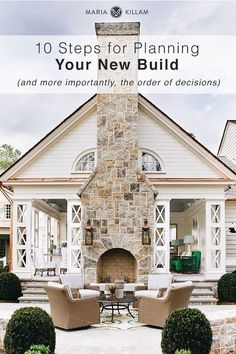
(141, 340)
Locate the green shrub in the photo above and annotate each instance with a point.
(187, 329)
(183, 351)
(6, 268)
(10, 287)
(227, 287)
(38, 349)
(29, 326)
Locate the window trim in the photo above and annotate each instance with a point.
(152, 153)
(80, 156)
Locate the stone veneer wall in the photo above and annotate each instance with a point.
(117, 197)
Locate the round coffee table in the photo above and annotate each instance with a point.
(116, 304)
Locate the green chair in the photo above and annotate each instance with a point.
(186, 264)
(196, 261)
(176, 264)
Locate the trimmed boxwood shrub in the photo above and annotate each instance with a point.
(227, 287)
(38, 349)
(187, 329)
(29, 326)
(10, 287)
(183, 351)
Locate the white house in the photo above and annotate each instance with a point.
(5, 222)
(227, 153)
(116, 161)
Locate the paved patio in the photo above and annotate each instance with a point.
(140, 340)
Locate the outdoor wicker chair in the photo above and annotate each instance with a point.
(155, 311)
(68, 312)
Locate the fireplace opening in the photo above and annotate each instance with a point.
(116, 263)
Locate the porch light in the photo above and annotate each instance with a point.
(146, 238)
(188, 240)
(88, 234)
(232, 230)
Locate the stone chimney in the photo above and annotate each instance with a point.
(117, 113)
(117, 198)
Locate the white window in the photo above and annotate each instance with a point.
(7, 211)
(149, 162)
(86, 163)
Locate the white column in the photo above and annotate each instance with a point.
(22, 221)
(74, 236)
(161, 240)
(215, 239)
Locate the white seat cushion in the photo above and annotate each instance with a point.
(131, 286)
(156, 281)
(89, 293)
(73, 280)
(146, 293)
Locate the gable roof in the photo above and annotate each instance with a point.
(145, 103)
(228, 162)
(224, 133)
(46, 137)
(188, 137)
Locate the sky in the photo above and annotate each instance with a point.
(25, 119)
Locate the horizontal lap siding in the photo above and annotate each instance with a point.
(228, 148)
(58, 160)
(230, 221)
(178, 159)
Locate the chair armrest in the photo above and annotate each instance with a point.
(91, 287)
(75, 293)
(140, 287)
(161, 292)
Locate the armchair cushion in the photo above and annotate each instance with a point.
(146, 293)
(73, 280)
(156, 281)
(60, 286)
(89, 293)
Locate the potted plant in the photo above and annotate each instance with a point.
(112, 289)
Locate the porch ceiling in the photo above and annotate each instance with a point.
(179, 205)
(58, 204)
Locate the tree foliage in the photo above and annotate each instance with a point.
(8, 155)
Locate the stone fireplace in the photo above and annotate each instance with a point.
(116, 263)
(117, 197)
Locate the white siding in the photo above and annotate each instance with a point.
(179, 161)
(57, 160)
(228, 147)
(230, 221)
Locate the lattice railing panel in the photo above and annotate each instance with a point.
(161, 236)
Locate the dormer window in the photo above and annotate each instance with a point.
(149, 163)
(86, 163)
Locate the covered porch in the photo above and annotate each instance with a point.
(50, 223)
(189, 221)
(47, 225)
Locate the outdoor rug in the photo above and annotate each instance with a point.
(121, 321)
